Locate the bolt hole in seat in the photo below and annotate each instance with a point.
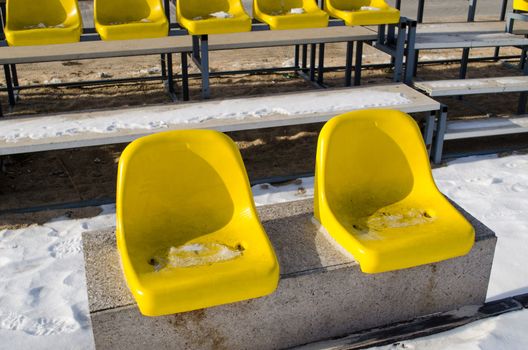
(130, 19)
(290, 14)
(362, 12)
(520, 5)
(187, 229)
(375, 194)
(212, 16)
(42, 22)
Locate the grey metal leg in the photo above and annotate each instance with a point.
(412, 54)
(196, 46)
(304, 57)
(204, 58)
(14, 77)
(464, 63)
(163, 66)
(420, 13)
(9, 85)
(185, 76)
(429, 131)
(296, 56)
(440, 133)
(348, 64)
(358, 63)
(400, 51)
(312, 61)
(320, 64)
(523, 98)
(472, 10)
(170, 77)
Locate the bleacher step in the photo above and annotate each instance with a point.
(462, 129)
(322, 293)
(458, 87)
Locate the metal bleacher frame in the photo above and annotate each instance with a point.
(392, 43)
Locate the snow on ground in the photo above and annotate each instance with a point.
(162, 117)
(43, 299)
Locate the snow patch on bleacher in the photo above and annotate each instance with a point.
(163, 117)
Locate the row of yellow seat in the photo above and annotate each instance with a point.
(520, 5)
(59, 21)
(189, 235)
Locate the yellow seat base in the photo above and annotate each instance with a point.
(376, 197)
(278, 14)
(520, 5)
(355, 13)
(45, 22)
(212, 17)
(130, 19)
(187, 230)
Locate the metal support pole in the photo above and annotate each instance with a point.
(304, 57)
(185, 76)
(358, 63)
(440, 133)
(204, 60)
(398, 4)
(400, 51)
(464, 63)
(196, 47)
(320, 64)
(472, 10)
(296, 56)
(163, 66)
(348, 64)
(523, 98)
(419, 15)
(170, 77)
(411, 61)
(9, 85)
(429, 131)
(312, 61)
(504, 6)
(522, 60)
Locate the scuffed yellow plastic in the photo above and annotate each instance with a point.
(196, 17)
(350, 11)
(375, 194)
(182, 188)
(276, 13)
(61, 20)
(130, 19)
(520, 5)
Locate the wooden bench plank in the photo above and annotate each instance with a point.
(404, 98)
(462, 129)
(456, 87)
(182, 43)
(290, 37)
(467, 35)
(94, 49)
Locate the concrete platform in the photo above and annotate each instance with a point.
(322, 293)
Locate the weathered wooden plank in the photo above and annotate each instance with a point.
(416, 102)
(462, 129)
(473, 86)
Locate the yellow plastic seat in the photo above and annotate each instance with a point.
(290, 14)
(187, 230)
(130, 19)
(43, 22)
(375, 195)
(362, 12)
(520, 5)
(212, 16)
